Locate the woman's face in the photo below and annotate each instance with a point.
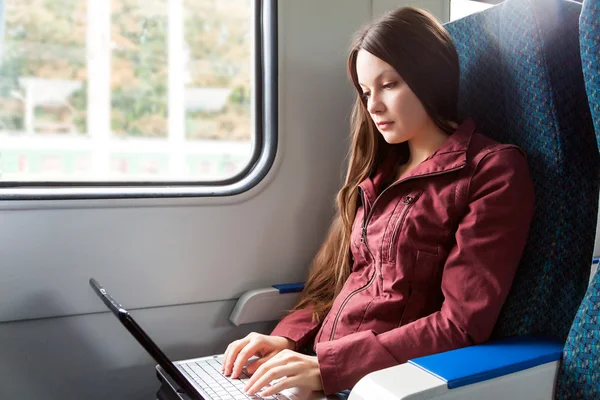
(397, 112)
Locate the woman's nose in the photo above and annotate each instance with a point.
(375, 105)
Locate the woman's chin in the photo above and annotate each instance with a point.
(390, 138)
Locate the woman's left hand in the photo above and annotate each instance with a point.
(298, 369)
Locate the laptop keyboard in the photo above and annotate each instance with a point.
(207, 374)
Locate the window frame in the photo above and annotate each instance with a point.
(264, 109)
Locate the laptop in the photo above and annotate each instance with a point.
(198, 378)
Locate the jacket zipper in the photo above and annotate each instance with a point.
(363, 239)
(362, 289)
(371, 280)
(408, 203)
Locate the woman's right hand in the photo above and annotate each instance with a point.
(263, 346)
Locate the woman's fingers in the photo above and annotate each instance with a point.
(274, 372)
(254, 365)
(285, 370)
(268, 371)
(242, 357)
(231, 354)
(277, 387)
(225, 357)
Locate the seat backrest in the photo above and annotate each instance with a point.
(521, 81)
(589, 41)
(579, 375)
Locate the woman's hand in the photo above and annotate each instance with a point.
(298, 370)
(265, 347)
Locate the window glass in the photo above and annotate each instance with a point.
(125, 90)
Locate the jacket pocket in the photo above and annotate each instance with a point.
(397, 221)
(425, 267)
(420, 290)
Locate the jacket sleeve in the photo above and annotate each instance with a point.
(297, 326)
(477, 277)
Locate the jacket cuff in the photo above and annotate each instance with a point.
(293, 336)
(298, 327)
(328, 368)
(345, 361)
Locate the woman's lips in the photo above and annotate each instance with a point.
(384, 125)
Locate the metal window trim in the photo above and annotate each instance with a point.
(261, 162)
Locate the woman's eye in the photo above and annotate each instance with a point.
(390, 85)
(366, 95)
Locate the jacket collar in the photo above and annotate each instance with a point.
(451, 156)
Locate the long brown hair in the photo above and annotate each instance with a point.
(419, 48)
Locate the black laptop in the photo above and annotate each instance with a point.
(194, 379)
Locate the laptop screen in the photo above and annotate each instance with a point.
(129, 323)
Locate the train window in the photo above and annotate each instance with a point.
(462, 8)
(135, 94)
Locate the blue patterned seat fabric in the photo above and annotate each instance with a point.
(579, 376)
(521, 81)
(589, 37)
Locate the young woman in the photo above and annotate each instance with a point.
(432, 222)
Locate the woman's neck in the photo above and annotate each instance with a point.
(421, 147)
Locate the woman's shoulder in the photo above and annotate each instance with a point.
(497, 169)
(483, 147)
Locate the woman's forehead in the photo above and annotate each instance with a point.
(370, 68)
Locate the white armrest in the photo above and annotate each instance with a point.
(404, 381)
(409, 382)
(267, 304)
(512, 369)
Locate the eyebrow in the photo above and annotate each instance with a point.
(386, 71)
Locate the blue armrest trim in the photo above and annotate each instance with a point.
(490, 360)
(289, 287)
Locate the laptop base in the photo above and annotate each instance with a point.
(167, 389)
(166, 393)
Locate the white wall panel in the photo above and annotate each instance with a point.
(439, 8)
(163, 252)
(94, 357)
(167, 254)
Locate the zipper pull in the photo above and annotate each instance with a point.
(408, 200)
(363, 237)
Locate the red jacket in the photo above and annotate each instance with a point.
(434, 255)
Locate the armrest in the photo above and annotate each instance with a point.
(515, 368)
(267, 304)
